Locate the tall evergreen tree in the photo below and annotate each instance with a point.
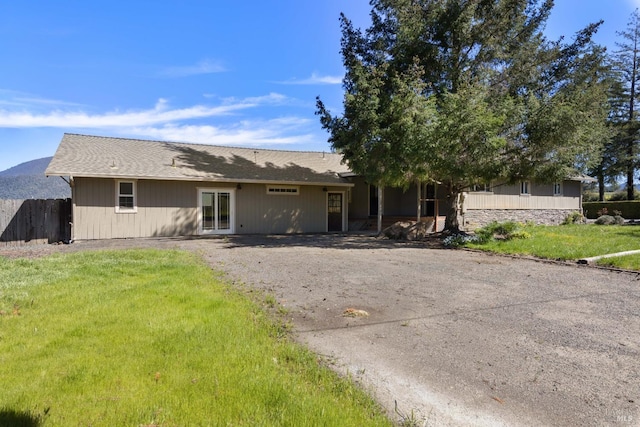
(483, 95)
(613, 161)
(627, 62)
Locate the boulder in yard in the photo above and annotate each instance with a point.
(408, 230)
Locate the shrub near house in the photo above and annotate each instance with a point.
(629, 209)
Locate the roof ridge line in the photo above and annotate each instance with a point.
(199, 143)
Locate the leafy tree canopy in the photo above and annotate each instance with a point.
(466, 90)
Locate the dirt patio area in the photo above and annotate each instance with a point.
(457, 337)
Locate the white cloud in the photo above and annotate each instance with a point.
(44, 101)
(206, 66)
(161, 113)
(164, 122)
(288, 130)
(15, 98)
(63, 119)
(315, 79)
(272, 98)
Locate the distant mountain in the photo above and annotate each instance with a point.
(33, 167)
(27, 181)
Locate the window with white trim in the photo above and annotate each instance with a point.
(287, 190)
(525, 188)
(126, 197)
(483, 187)
(557, 189)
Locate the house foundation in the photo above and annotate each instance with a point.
(476, 218)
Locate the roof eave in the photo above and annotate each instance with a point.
(201, 179)
(583, 178)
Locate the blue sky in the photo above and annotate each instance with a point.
(230, 73)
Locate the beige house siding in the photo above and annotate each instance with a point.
(165, 208)
(401, 202)
(260, 213)
(183, 189)
(505, 203)
(497, 201)
(170, 208)
(397, 201)
(541, 197)
(359, 203)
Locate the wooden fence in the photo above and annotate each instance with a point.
(35, 221)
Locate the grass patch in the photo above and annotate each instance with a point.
(627, 262)
(567, 242)
(149, 337)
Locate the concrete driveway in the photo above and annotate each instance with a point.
(457, 337)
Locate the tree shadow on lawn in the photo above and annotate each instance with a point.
(630, 229)
(15, 418)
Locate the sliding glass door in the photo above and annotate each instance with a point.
(216, 210)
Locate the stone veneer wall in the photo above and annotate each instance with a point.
(475, 218)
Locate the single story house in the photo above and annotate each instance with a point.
(479, 205)
(126, 188)
(540, 203)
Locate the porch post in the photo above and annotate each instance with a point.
(418, 185)
(380, 205)
(436, 208)
(72, 225)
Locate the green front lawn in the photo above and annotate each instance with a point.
(154, 338)
(571, 242)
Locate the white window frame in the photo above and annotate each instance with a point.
(557, 188)
(134, 195)
(232, 211)
(525, 188)
(484, 187)
(283, 190)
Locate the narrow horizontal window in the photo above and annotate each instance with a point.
(483, 187)
(290, 190)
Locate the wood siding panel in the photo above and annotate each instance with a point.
(359, 203)
(541, 197)
(170, 208)
(165, 208)
(400, 202)
(397, 201)
(499, 201)
(572, 188)
(262, 213)
(569, 188)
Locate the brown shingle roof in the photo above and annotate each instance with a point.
(96, 156)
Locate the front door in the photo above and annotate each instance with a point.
(334, 211)
(216, 211)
